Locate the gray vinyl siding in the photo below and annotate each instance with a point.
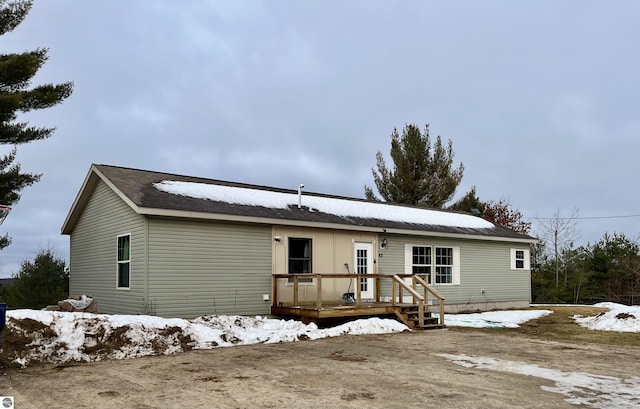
(484, 265)
(93, 253)
(202, 267)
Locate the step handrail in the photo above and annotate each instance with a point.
(407, 287)
(436, 294)
(428, 287)
(414, 293)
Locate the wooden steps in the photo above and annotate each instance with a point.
(410, 316)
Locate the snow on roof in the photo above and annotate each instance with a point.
(335, 206)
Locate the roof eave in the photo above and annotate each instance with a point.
(323, 225)
(80, 201)
(84, 194)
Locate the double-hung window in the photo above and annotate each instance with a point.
(444, 265)
(441, 263)
(520, 259)
(124, 261)
(421, 261)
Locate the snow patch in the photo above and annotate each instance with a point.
(580, 388)
(621, 318)
(494, 319)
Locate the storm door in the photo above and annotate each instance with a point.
(364, 265)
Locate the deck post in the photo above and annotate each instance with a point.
(378, 288)
(319, 294)
(358, 300)
(393, 293)
(274, 295)
(295, 290)
(414, 286)
(426, 298)
(426, 291)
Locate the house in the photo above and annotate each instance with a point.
(144, 242)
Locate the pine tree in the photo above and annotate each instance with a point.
(469, 203)
(419, 176)
(39, 283)
(16, 72)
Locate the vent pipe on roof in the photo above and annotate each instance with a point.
(300, 187)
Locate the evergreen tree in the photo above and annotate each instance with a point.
(419, 176)
(16, 96)
(615, 261)
(39, 283)
(469, 203)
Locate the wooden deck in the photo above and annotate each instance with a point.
(417, 314)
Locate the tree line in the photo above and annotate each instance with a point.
(608, 270)
(425, 175)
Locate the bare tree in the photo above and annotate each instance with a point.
(559, 233)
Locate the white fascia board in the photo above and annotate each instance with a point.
(333, 226)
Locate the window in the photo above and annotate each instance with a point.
(442, 264)
(300, 256)
(520, 259)
(421, 261)
(124, 261)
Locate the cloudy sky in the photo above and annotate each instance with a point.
(540, 99)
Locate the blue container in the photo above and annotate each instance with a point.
(3, 316)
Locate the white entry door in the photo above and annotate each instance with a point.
(363, 260)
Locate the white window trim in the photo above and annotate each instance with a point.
(455, 271)
(118, 262)
(527, 259)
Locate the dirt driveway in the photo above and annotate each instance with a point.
(369, 371)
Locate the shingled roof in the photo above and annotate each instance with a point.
(164, 194)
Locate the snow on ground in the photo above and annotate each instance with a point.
(621, 318)
(494, 319)
(53, 336)
(580, 388)
(339, 207)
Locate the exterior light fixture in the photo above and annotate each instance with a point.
(383, 243)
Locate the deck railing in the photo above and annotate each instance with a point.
(396, 282)
(420, 299)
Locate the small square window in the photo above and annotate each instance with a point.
(520, 259)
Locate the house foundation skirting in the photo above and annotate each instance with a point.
(484, 306)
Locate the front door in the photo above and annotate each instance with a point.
(364, 265)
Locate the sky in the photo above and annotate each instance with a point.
(69, 341)
(539, 98)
